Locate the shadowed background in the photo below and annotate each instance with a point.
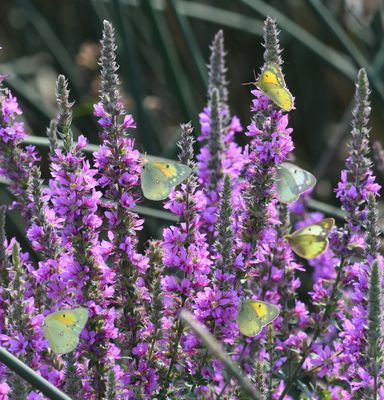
(163, 51)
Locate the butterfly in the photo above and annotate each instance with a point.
(312, 240)
(292, 181)
(254, 315)
(159, 176)
(63, 327)
(271, 82)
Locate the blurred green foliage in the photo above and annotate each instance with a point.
(163, 51)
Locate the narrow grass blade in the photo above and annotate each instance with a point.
(227, 18)
(352, 49)
(215, 348)
(130, 63)
(52, 42)
(194, 52)
(331, 56)
(171, 58)
(28, 374)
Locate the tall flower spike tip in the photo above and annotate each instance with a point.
(215, 143)
(52, 136)
(48, 241)
(16, 289)
(110, 95)
(217, 69)
(357, 180)
(4, 260)
(259, 378)
(361, 112)
(372, 228)
(64, 116)
(271, 42)
(185, 145)
(72, 379)
(224, 241)
(111, 386)
(374, 332)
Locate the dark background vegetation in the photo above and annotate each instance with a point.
(163, 51)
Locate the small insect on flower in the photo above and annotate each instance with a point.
(159, 176)
(254, 315)
(63, 327)
(271, 82)
(292, 181)
(312, 240)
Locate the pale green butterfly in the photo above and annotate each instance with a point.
(63, 327)
(159, 176)
(312, 240)
(254, 315)
(271, 82)
(292, 181)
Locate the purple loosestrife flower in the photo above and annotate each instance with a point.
(220, 154)
(185, 251)
(42, 233)
(80, 274)
(356, 186)
(15, 160)
(269, 262)
(22, 333)
(270, 144)
(216, 305)
(119, 167)
(357, 180)
(361, 332)
(346, 298)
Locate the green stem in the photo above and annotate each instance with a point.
(229, 379)
(28, 374)
(317, 332)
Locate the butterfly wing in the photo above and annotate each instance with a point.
(272, 74)
(248, 321)
(62, 329)
(272, 83)
(292, 181)
(61, 339)
(159, 176)
(312, 240)
(265, 311)
(281, 96)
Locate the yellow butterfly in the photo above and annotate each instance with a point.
(254, 315)
(312, 240)
(292, 181)
(63, 327)
(159, 176)
(271, 82)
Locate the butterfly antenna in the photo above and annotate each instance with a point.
(143, 154)
(251, 83)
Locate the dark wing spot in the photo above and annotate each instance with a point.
(309, 229)
(63, 315)
(167, 166)
(259, 305)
